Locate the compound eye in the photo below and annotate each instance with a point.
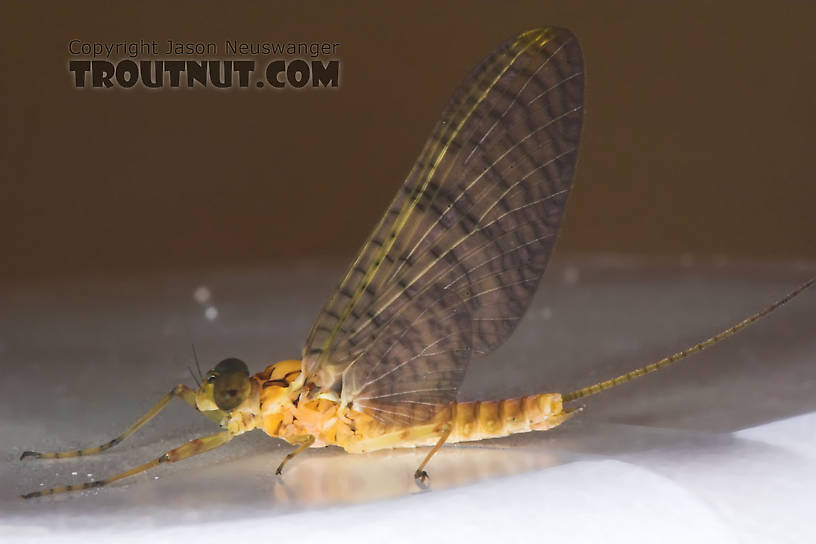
(230, 384)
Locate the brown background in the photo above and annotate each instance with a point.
(698, 132)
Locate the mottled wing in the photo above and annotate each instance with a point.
(417, 361)
(452, 266)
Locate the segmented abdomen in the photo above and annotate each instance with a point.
(478, 420)
(475, 420)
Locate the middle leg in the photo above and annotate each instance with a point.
(303, 441)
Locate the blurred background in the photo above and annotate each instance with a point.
(697, 136)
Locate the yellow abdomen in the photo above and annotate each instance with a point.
(475, 420)
(478, 420)
(357, 432)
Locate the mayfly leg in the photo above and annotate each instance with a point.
(303, 442)
(194, 447)
(181, 391)
(420, 473)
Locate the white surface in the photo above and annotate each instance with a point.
(713, 488)
(721, 449)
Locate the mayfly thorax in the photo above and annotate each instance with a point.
(444, 278)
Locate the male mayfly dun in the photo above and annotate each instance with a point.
(445, 277)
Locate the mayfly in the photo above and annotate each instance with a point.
(445, 277)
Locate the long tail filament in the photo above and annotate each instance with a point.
(623, 378)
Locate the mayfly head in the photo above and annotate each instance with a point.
(225, 387)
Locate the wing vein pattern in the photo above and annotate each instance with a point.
(453, 264)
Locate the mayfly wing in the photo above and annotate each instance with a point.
(453, 264)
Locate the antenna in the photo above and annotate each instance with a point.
(198, 383)
(198, 367)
